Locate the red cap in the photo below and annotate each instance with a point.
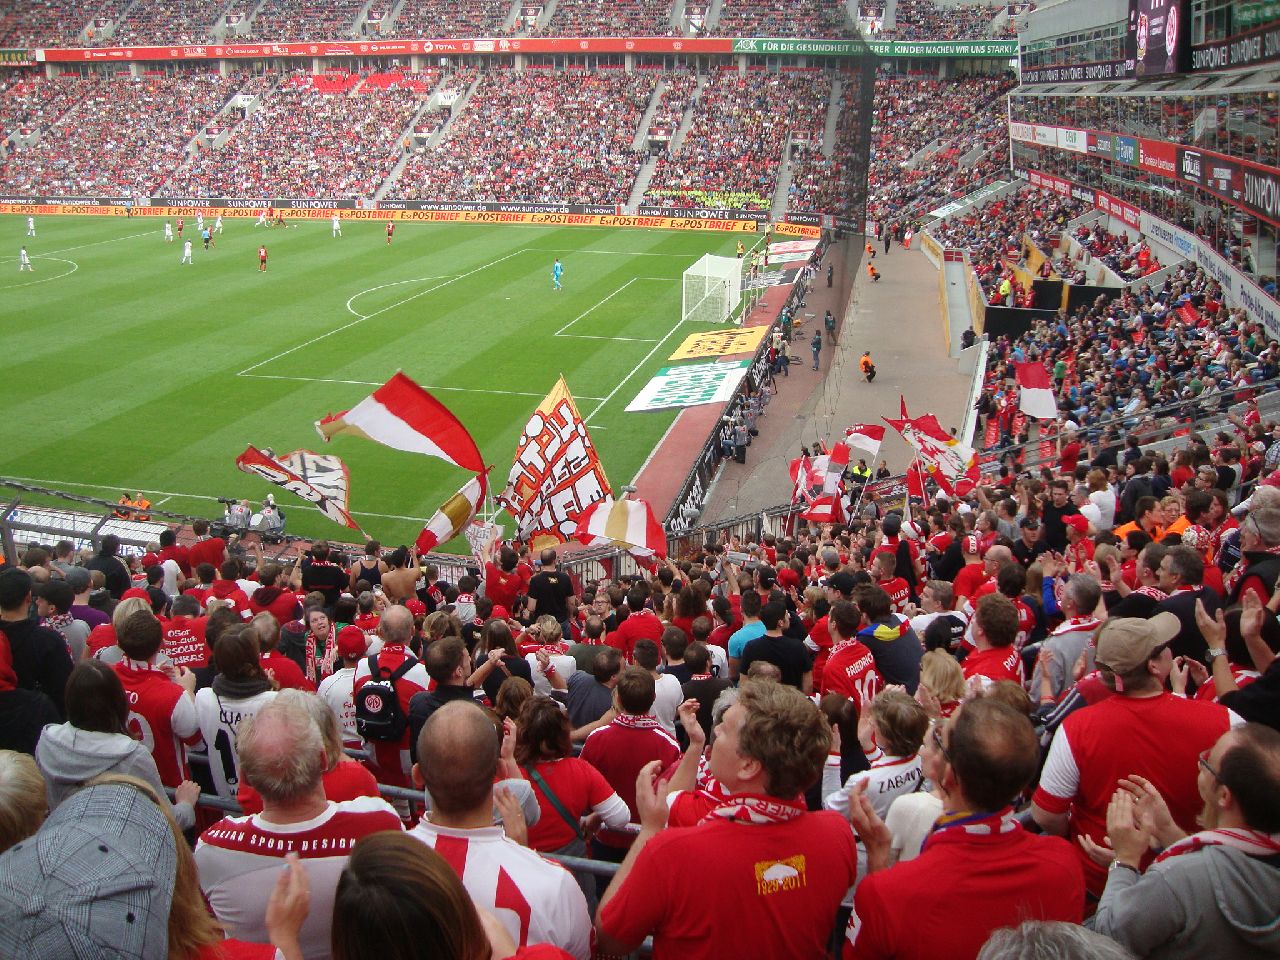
(500, 613)
(788, 578)
(970, 544)
(136, 592)
(1078, 523)
(352, 642)
(416, 607)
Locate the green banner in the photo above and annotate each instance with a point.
(883, 48)
(16, 58)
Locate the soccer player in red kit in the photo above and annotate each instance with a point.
(262, 259)
(391, 228)
(181, 222)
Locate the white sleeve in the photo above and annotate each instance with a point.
(572, 918)
(1236, 719)
(839, 800)
(613, 810)
(1060, 777)
(830, 776)
(184, 721)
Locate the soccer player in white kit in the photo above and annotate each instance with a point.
(31, 226)
(217, 224)
(186, 253)
(199, 223)
(168, 232)
(337, 225)
(24, 261)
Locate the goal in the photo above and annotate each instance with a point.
(712, 289)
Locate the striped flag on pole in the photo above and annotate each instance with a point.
(629, 524)
(1035, 393)
(452, 518)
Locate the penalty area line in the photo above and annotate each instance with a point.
(378, 383)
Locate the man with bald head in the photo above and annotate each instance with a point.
(282, 756)
(390, 758)
(536, 900)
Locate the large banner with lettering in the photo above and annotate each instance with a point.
(690, 385)
(720, 343)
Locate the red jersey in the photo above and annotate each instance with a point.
(262, 254)
(184, 642)
(179, 555)
(1159, 738)
(619, 750)
(578, 786)
(502, 588)
(899, 592)
(851, 672)
(230, 590)
(212, 550)
(286, 673)
(820, 636)
(641, 625)
(281, 604)
(161, 715)
(998, 663)
(967, 581)
(347, 781)
(391, 228)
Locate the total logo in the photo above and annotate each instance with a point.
(1191, 164)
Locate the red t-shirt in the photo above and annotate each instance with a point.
(780, 882)
(100, 638)
(899, 592)
(851, 672)
(969, 579)
(179, 555)
(720, 636)
(1159, 738)
(947, 901)
(162, 716)
(1069, 457)
(211, 550)
(1003, 663)
(184, 642)
(392, 758)
(578, 786)
(502, 588)
(346, 781)
(281, 604)
(821, 637)
(230, 590)
(641, 625)
(287, 673)
(619, 750)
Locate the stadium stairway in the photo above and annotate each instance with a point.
(713, 14)
(833, 118)
(548, 11)
(641, 140)
(405, 134)
(392, 15)
(643, 177)
(782, 192)
(687, 120)
(676, 20)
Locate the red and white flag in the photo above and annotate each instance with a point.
(837, 461)
(1035, 397)
(825, 509)
(402, 415)
(866, 437)
(319, 479)
(556, 473)
(952, 465)
(452, 518)
(628, 524)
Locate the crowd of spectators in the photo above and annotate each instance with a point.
(732, 152)
(122, 137)
(45, 23)
(622, 18)
(780, 18)
(160, 21)
(30, 104)
(1041, 718)
(442, 19)
(926, 20)
(305, 142)
(677, 94)
(306, 20)
(1129, 259)
(910, 114)
(538, 137)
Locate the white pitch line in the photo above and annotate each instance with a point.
(378, 383)
(359, 320)
(587, 418)
(612, 253)
(98, 243)
(30, 283)
(593, 307)
(382, 286)
(169, 494)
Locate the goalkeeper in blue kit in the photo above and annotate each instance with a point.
(557, 272)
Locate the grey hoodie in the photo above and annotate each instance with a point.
(69, 756)
(1213, 902)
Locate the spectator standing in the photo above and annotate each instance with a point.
(390, 758)
(590, 694)
(338, 689)
(449, 667)
(786, 653)
(549, 590)
(23, 713)
(106, 561)
(239, 858)
(41, 660)
(239, 690)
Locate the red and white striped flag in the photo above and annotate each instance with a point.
(402, 415)
(452, 518)
(837, 461)
(825, 509)
(865, 436)
(320, 479)
(629, 524)
(1035, 397)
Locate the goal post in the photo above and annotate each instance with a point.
(712, 289)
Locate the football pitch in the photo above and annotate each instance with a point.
(123, 369)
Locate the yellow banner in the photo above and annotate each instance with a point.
(428, 216)
(720, 343)
(798, 230)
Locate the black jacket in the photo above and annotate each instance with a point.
(40, 658)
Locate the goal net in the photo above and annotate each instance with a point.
(712, 289)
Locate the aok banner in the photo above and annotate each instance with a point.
(690, 385)
(720, 343)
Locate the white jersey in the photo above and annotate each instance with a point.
(23, 257)
(217, 224)
(336, 691)
(186, 248)
(168, 231)
(199, 221)
(220, 719)
(31, 226)
(239, 860)
(536, 900)
(668, 697)
(890, 778)
(337, 225)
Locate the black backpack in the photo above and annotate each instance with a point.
(379, 715)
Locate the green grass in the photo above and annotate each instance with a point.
(122, 369)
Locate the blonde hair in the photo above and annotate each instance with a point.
(126, 609)
(191, 926)
(550, 629)
(23, 801)
(943, 676)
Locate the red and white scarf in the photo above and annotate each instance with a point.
(1076, 625)
(753, 808)
(1254, 843)
(973, 824)
(1241, 569)
(1155, 593)
(646, 722)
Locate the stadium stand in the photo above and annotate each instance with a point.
(160, 21)
(28, 104)
(315, 136)
(780, 18)
(294, 20)
(731, 154)
(440, 18)
(627, 18)
(676, 96)
(48, 23)
(926, 20)
(537, 137)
